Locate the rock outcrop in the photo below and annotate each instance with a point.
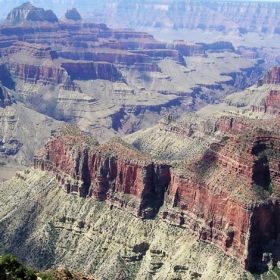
(26, 12)
(118, 72)
(270, 104)
(219, 15)
(92, 71)
(271, 77)
(114, 171)
(73, 14)
(5, 98)
(48, 228)
(223, 196)
(37, 74)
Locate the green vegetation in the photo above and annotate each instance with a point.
(276, 270)
(12, 268)
(47, 276)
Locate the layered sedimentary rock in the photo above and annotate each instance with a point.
(114, 171)
(91, 71)
(48, 228)
(5, 98)
(271, 77)
(29, 13)
(73, 14)
(120, 74)
(270, 104)
(219, 15)
(222, 196)
(37, 74)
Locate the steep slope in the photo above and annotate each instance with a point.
(57, 229)
(238, 175)
(26, 12)
(238, 21)
(109, 81)
(22, 132)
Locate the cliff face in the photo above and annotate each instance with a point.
(111, 171)
(270, 104)
(91, 71)
(215, 195)
(271, 77)
(222, 196)
(5, 98)
(218, 15)
(26, 12)
(73, 14)
(37, 74)
(119, 73)
(104, 241)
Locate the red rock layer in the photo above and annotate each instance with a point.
(223, 196)
(113, 171)
(271, 104)
(188, 49)
(91, 70)
(271, 77)
(37, 74)
(30, 50)
(232, 125)
(215, 217)
(214, 196)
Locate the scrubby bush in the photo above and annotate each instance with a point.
(12, 268)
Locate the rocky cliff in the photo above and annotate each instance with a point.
(5, 97)
(271, 77)
(105, 79)
(221, 196)
(26, 12)
(46, 227)
(113, 171)
(73, 14)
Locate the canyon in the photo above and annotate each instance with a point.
(111, 82)
(238, 21)
(222, 195)
(142, 159)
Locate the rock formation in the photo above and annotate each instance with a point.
(221, 184)
(104, 79)
(73, 14)
(5, 98)
(222, 196)
(26, 12)
(46, 227)
(270, 104)
(271, 77)
(113, 171)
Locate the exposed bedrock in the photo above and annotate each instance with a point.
(114, 171)
(37, 74)
(30, 13)
(270, 104)
(5, 98)
(91, 71)
(218, 15)
(271, 77)
(36, 51)
(223, 196)
(73, 14)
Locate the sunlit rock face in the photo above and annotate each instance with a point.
(223, 196)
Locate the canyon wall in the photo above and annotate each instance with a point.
(113, 171)
(271, 77)
(222, 196)
(247, 16)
